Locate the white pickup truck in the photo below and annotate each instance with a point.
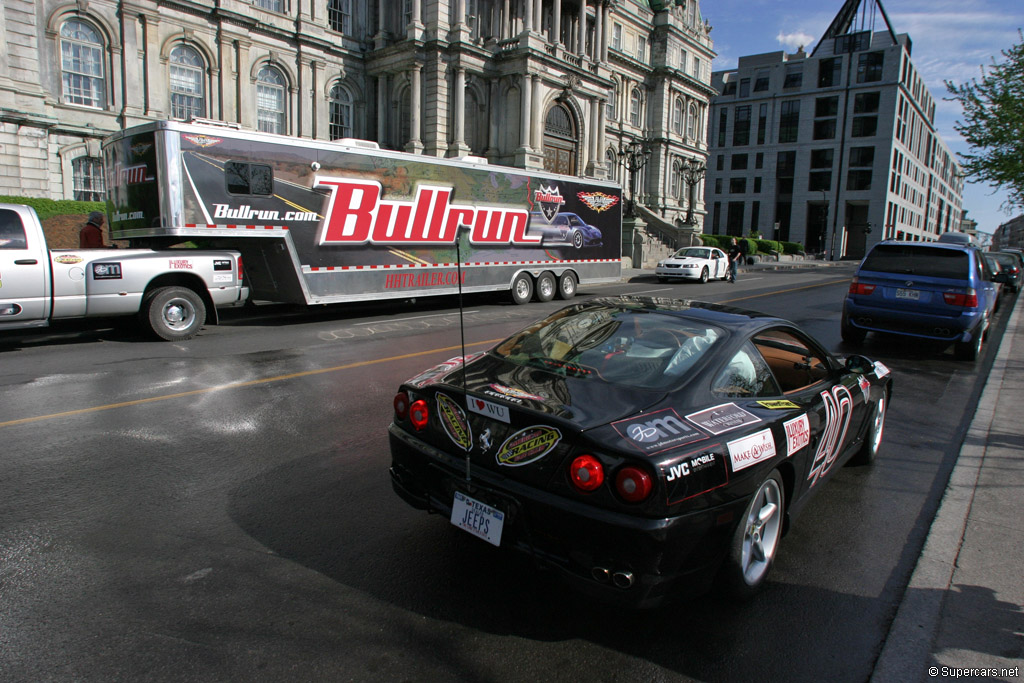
(173, 292)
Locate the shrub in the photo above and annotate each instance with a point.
(792, 248)
(47, 208)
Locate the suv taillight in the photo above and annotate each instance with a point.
(968, 299)
(859, 288)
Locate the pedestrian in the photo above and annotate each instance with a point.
(91, 234)
(735, 255)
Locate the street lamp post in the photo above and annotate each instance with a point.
(693, 172)
(633, 155)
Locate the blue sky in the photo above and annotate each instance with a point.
(951, 40)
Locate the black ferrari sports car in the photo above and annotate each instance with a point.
(641, 446)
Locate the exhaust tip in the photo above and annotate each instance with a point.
(623, 579)
(601, 574)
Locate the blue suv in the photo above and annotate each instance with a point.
(928, 290)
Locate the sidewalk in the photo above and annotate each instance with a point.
(628, 274)
(963, 606)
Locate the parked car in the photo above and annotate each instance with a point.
(1013, 265)
(565, 229)
(939, 291)
(639, 447)
(995, 268)
(957, 238)
(694, 263)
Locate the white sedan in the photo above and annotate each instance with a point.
(694, 263)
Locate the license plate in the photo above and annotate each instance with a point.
(911, 294)
(481, 520)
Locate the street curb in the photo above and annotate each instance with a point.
(908, 645)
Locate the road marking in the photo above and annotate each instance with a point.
(415, 317)
(238, 385)
(783, 291)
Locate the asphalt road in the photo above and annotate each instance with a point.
(220, 509)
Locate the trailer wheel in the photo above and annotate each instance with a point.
(174, 313)
(567, 285)
(546, 287)
(522, 288)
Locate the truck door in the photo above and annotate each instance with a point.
(24, 295)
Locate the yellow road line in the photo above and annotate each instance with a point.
(237, 385)
(783, 291)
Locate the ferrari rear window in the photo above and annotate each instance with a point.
(923, 261)
(622, 346)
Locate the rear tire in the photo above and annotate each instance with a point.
(567, 285)
(972, 350)
(756, 540)
(174, 313)
(546, 287)
(522, 288)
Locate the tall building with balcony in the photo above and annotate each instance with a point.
(561, 85)
(836, 149)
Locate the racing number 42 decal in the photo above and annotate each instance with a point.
(838, 410)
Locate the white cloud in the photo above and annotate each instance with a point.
(794, 40)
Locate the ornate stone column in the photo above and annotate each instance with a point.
(415, 143)
(458, 146)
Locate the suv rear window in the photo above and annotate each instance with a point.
(910, 259)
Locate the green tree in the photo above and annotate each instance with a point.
(993, 124)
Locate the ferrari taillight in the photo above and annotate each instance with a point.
(969, 299)
(401, 404)
(633, 484)
(586, 473)
(859, 288)
(419, 414)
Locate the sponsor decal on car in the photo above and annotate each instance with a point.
(512, 392)
(106, 271)
(880, 369)
(865, 386)
(723, 418)
(179, 264)
(691, 466)
(68, 259)
(485, 441)
(454, 422)
(527, 445)
(838, 410)
(750, 450)
(656, 432)
(203, 140)
(550, 200)
(222, 264)
(431, 375)
(487, 409)
(779, 404)
(223, 277)
(598, 201)
(695, 474)
(798, 434)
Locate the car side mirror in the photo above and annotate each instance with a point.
(859, 364)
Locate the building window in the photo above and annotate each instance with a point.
(794, 76)
(737, 185)
(81, 63)
(272, 5)
(744, 87)
(864, 126)
(716, 220)
(723, 120)
(729, 88)
(757, 184)
(762, 123)
(612, 108)
(869, 67)
(825, 129)
(691, 123)
(720, 162)
(339, 16)
(865, 103)
(677, 116)
(634, 108)
(789, 121)
(641, 49)
(682, 61)
(755, 215)
(826, 106)
(858, 180)
(186, 71)
(270, 101)
(829, 72)
(718, 186)
(741, 126)
(676, 180)
(738, 162)
(822, 158)
(87, 179)
(759, 160)
(785, 169)
(612, 162)
(862, 156)
(734, 221)
(340, 112)
(617, 36)
(819, 180)
(761, 80)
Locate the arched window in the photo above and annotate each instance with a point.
(691, 124)
(270, 100)
(87, 179)
(187, 70)
(676, 180)
(612, 162)
(677, 116)
(81, 64)
(340, 104)
(612, 108)
(634, 107)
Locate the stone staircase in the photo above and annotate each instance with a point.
(653, 238)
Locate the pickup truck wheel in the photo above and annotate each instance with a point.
(174, 313)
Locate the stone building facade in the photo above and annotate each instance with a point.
(563, 85)
(836, 150)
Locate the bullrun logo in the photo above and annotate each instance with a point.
(528, 445)
(454, 422)
(550, 200)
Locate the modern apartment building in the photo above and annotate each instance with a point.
(564, 85)
(1009, 235)
(836, 149)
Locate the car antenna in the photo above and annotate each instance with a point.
(462, 328)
